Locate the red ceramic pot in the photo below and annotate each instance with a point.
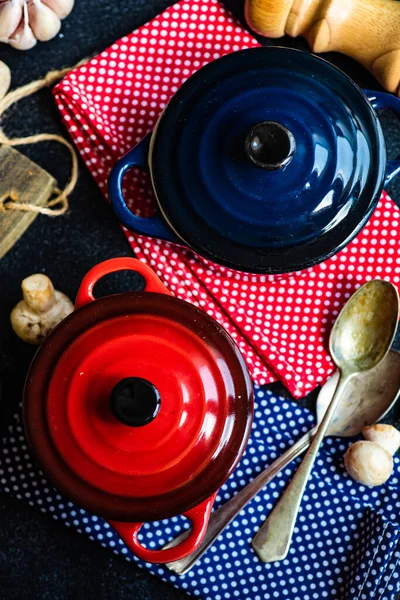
(138, 407)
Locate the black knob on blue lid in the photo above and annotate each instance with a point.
(270, 145)
(135, 401)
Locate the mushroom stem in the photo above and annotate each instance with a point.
(38, 292)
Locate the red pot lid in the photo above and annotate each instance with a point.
(139, 405)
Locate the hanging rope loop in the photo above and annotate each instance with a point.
(58, 205)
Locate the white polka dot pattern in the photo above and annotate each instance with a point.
(346, 543)
(280, 324)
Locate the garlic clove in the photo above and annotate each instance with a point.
(386, 436)
(10, 17)
(62, 8)
(44, 22)
(368, 463)
(5, 79)
(23, 38)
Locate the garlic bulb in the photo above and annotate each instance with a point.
(23, 22)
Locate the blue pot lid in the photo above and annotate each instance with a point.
(268, 160)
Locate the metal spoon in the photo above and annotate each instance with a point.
(366, 400)
(359, 340)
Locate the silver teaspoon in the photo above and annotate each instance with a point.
(359, 340)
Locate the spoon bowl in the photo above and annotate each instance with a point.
(367, 399)
(365, 327)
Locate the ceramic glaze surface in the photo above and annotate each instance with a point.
(272, 208)
(196, 409)
(293, 208)
(180, 451)
(219, 200)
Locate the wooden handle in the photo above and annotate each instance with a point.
(366, 30)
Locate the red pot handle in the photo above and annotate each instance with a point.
(85, 292)
(198, 516)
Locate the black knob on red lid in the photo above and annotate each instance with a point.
(270, 145)
(135, 401)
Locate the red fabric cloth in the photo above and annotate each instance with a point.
(280, 324)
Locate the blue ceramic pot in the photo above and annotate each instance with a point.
(268, 160)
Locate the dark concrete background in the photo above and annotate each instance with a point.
(40, 558)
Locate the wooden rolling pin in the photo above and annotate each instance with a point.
(366, 30)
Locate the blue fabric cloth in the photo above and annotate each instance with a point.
(346, 543)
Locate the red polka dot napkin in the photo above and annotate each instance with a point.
(281, 324)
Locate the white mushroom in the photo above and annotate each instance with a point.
(40, 311)
(368, 463)
(386, 436)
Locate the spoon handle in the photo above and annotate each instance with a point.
(272, 540)
(221, 518)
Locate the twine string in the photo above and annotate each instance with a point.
(11, 200)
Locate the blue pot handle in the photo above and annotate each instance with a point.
(383, 100)
(153, 226)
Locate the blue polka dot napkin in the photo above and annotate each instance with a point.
(346, 543)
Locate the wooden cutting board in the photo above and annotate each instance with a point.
(31, 184)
